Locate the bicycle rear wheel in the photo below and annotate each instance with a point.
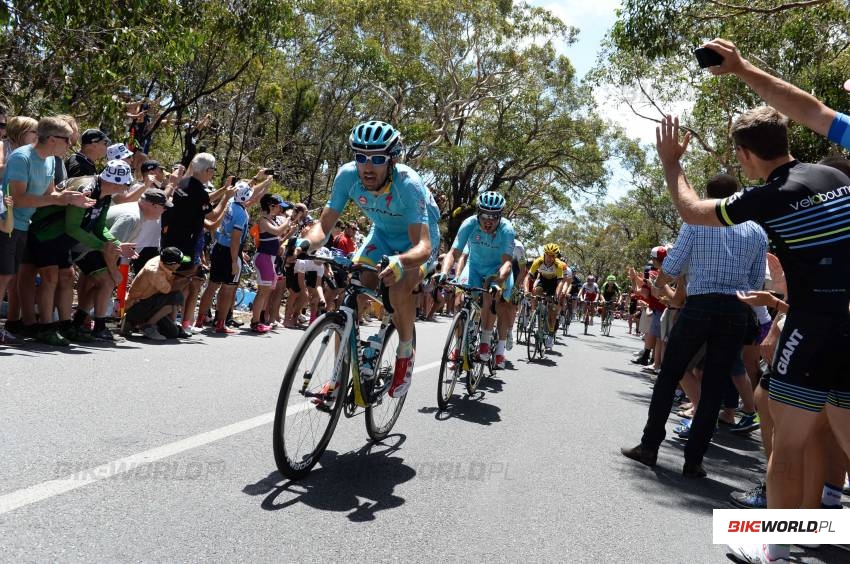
(382, 414)
(521, 324)
(448, 373)
(309, 405)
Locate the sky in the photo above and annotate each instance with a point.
(594, 19)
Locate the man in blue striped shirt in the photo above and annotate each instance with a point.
(719, 262)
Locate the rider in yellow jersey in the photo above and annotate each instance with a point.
(547, 275)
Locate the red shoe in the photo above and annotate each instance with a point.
(329, 395)
(402, 375)
(500, 361)
(223, 329)
(484, 351)
(260, 328)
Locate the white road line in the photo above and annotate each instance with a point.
(45, 490)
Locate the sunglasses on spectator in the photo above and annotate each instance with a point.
(376, 160)
(2, 125)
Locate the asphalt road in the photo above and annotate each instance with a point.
(141, 451)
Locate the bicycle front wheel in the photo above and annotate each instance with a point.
(450, 370)
(531, 336)
(310, 398)
(382, 414)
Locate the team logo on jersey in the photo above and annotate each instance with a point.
(389, 200)
(362, 200)
(370, 248)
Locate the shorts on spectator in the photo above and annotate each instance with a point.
(291, 279)
(668, 319)
(266, 275)
(54, 252)
(12, 248)
(311, 279)
(141, 311)
(221, 266)
(655, 324)
(90, 263)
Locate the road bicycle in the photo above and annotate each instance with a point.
(523, 312)
(317, 388)
(566, 316)
(538, 328)
(463, 339)
(607, 318)
(588, 313)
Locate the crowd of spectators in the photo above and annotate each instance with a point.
(76, 207)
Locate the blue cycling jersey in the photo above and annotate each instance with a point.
(234, 218)
(485, 249)
(392, 210)
(839, 131)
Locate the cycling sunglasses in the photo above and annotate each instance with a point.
(489, 216)
(376, 160)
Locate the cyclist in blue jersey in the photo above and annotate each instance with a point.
(491, 246)
(404, 227)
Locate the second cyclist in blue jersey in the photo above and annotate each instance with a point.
(490, 239)
(404, 219)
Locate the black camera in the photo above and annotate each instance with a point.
(707, 57)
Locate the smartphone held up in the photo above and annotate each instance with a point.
(707, 57)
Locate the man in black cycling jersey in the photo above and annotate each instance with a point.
(802, 208)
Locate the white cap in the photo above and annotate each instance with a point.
(118, 151)
(117, 172)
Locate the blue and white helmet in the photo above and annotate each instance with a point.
(244, 191)
(375, 136)
(491, 202)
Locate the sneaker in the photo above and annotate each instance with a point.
(748, 422)
(152, 333)
(500, 361)
(303, 319)
(125, 329)
(222, 329)
(550, 342)
(752, 554)
(510, 344)
(103, 335)
(6, 336)
(260, 327)
(484, 351)
(755, 498)
(401, 376)
(77, 334)
(52, 337)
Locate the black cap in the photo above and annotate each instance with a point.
(90, 136)
(148, 166)
(173, 255)
(157, 196)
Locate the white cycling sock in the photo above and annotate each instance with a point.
(485, 336)
(831, 496)
(500, 348)
(404, 349)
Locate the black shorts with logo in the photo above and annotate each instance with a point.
(811, 366)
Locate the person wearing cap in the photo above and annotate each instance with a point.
(84, 231)
(29, 176)
(152, 301)
(93, 143)
(140, 223)
(226, 260)
(119, 151)
(272, 226)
